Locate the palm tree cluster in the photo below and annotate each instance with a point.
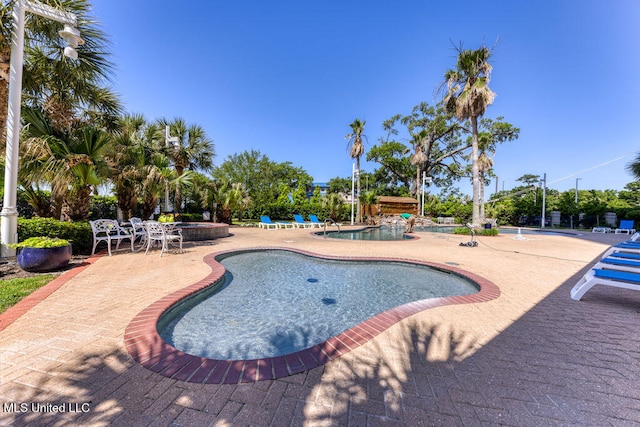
(75, 136)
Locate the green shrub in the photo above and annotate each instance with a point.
(41, 242)
(483, 232)
(77, 233)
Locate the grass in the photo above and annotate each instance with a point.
(13, 290)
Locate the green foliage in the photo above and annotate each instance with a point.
(77, 233)
(13, 290)
(103, 207)
(41, 242)
(482, 232)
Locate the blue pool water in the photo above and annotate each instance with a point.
(275, 302)
(369, 233)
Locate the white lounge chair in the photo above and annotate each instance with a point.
(315, 221)
(597, 276)
(627, 246)
(626, 226)
(619, 263)
(265, 222)
(300, 222)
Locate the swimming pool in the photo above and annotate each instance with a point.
(369, 233)
(144, 343)
(276, 302)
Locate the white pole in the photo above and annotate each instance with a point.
(353, 190)
(9, 213)
(424, 177)
(166, 182)
(544, 199)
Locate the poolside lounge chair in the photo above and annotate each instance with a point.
(627, 246)
(626, 226)
(300, 222)
(596, 276)
(265, 222)
(619, 263)
(601, 230)
(315, 221)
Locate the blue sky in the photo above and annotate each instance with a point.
(287, 77)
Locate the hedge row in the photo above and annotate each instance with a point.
(78, 233)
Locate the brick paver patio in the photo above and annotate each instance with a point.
(530, 357)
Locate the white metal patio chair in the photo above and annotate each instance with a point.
(108, 230)
(139, 232)
(164, 234)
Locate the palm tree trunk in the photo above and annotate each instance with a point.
(475, 219)
(482, 197)
(359, 211)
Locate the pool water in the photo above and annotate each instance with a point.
(276, 302)
(369, 233)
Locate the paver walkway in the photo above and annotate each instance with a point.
(531, 357)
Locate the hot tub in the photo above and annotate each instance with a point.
(193, 231)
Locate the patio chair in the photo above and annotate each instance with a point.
(300, 222)
(108, 230)
(163, 234)
(597, 276)
(265, 222)
(626, 226)
(315, 221)
(139, 231)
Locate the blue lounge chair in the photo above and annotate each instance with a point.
(627, 246)
(300, 222)
(626, 226)
(596, 276)
(618, 263)
(265, 222)
(315, 221)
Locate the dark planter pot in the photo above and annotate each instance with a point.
(38, 260)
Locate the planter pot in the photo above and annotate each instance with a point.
(38, 260)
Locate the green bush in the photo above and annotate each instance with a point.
(483, 232)
(78, 233)
(41, 243)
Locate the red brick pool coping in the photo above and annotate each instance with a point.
(145, 345)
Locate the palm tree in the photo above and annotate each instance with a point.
(356, 150)
(333, 202)
(634, 167)
(419, 157)
(368, 199)
(127, 161)
(65, 89)
(468, 96)
(193, 151)
(71, 161)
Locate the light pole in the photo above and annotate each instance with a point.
(9, 213)
(353, 190)
(577, 179)
(425, 180)
(168, 140)
(544, 199)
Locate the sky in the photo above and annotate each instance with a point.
(287, 77)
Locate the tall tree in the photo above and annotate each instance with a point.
(194, 151)
(468, 96)
(634, 167)
(73, 162)
(356, 150)
(66, 89)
